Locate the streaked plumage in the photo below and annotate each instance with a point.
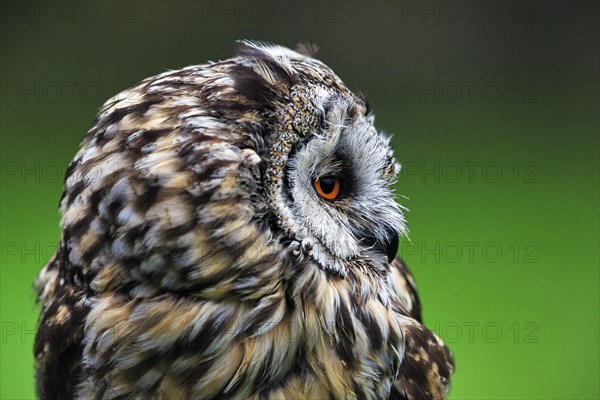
(197, 260)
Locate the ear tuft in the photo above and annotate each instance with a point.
(363, 98)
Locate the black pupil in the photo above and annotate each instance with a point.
(327, 185)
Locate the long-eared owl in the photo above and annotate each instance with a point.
(229, 231)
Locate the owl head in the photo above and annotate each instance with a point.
(329, 171)
(211, 178)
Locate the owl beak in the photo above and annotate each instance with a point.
(392, 246)
(388, 247)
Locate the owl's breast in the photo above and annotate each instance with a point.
(314, 337)
(350, 341)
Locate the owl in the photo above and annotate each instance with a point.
(229, 231)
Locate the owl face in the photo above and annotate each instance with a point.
(338, 188)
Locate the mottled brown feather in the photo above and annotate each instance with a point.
(182, 272)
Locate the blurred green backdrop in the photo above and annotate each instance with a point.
(494, 111)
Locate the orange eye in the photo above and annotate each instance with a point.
(328, 187)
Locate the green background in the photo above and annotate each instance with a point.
(494, 111)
